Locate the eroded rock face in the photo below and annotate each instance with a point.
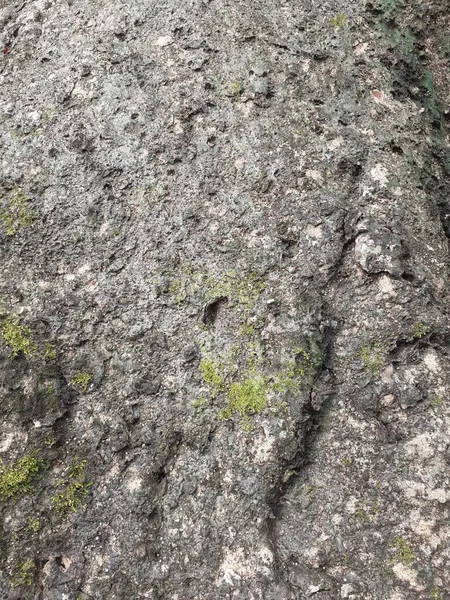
(224, 325)
(378, 249)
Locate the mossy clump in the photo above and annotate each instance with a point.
(295, 373)
(243, 374)
(248, 384)
(212, 376)
(81, 380)
(231, 89)
(419, 330)
(50, 352)
(402, 552)
(199, 404)
(338, 20)
(15, 212)
(247, 329)
(17, 478)
(17, 336)
(373, 357)
(75, 489)
(49, 440)
(245, 399)
(437, 401)
(34, 524)
(241, 290)
(436, 593)
(24, 574)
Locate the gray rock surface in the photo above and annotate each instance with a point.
(224, 335)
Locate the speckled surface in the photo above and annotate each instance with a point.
(205, 201)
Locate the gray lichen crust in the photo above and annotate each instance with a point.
(224, 334)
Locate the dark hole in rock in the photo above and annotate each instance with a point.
(408, 276)
(396, 149)
(160, 474)
(211, 310)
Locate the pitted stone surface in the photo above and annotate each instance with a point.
(207, 201)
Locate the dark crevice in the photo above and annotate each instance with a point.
(308, 431)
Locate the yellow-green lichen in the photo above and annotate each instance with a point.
(231, 89)
(34, 524)
(177, 288)
(246, 382)
(346, 560)
(50, 352)
(199, 404)
(294, 373)
(211, 371)
(241, 290)
(17, 336)
(373, 357)
(402, 552)
(81, 380)
(308, 491)
(49, 440)
(288, 474)
(243, 374)
(17, 478)
(436, 593)
(49, 114)
(24, 574)
(366, 511)
(338, 20)
(15, 212)
(419, 330)
(247, 329)
(75, 489)
(246, 398)
(437, 401)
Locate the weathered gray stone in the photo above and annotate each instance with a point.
(225, 224)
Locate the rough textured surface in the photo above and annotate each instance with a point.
(224, 300)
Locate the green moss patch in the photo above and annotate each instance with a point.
(15, 212)
(248, 385)
(373, 357)
(212, 375)
(338, 20)
(402, 552)
(17, 478)
(241, 290)
(74, 489)
(23, 574)
(17, 336)
(246, 398)
(81, 380)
